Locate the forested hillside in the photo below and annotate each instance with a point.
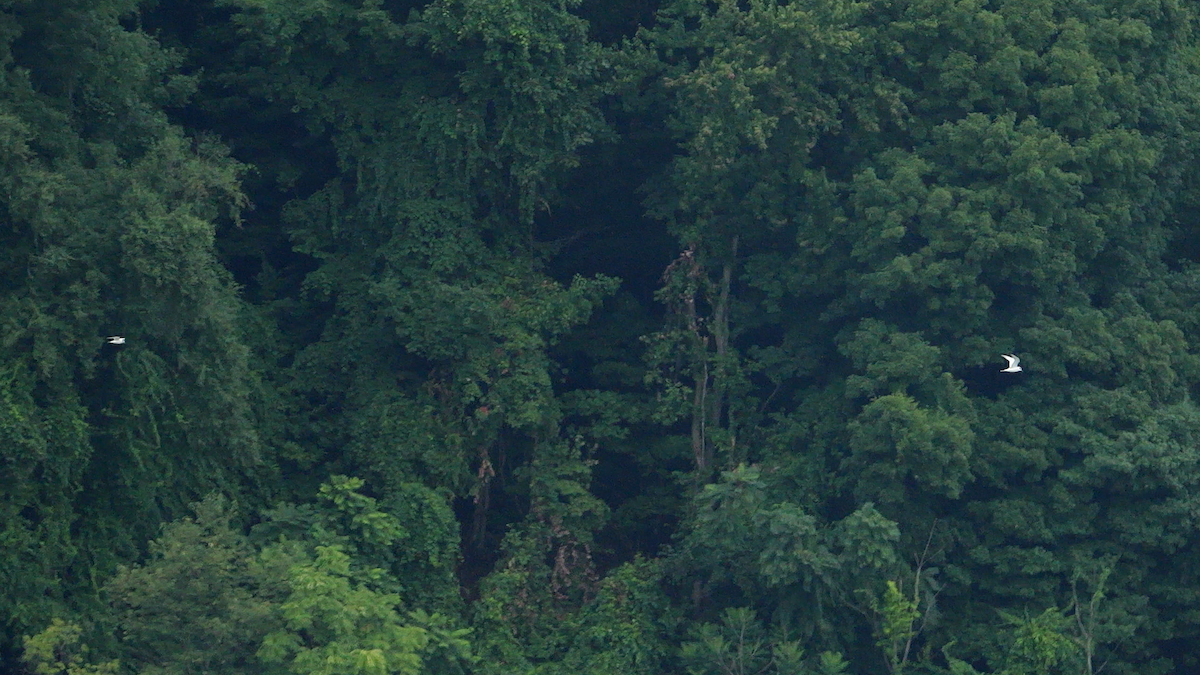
(599, 337)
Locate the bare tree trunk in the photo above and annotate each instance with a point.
(720, 331)
(708, 396)
(700, 393)
(483, 496)
(699, 441)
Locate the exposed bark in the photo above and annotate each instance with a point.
(709, 384)
(483, 496)
(720, 332)
(700, 449)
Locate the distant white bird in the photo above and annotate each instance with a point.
(1013, 364)
(115, 340)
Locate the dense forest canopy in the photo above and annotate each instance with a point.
(486, 337)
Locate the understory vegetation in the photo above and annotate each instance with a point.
(599, 337)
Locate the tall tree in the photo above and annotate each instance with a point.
(110, 214)
(431, 366)
(900, 191)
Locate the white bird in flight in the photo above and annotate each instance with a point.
(115, 340)
(1013, 364)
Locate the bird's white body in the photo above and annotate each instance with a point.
(116, 340)
(1014, 364)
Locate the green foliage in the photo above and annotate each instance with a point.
(209, 599)
(898, 625)
(56, 651)
(409, 549)
(435, 344)
(739, 645)
(783, 557)
(349, 572)
(203, 602)
(429, 555)
(40, 444)
(519, 625)
(832, 663)
(930, 447)
(546, 574)
(869, 201)
(957, 197)
(1039, 643)
(626, 628)
(332, 624)
(448, 651)
(110, 216)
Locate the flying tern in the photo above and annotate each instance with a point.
(1014, 364)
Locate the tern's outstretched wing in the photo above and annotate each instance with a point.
(1012, 360)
